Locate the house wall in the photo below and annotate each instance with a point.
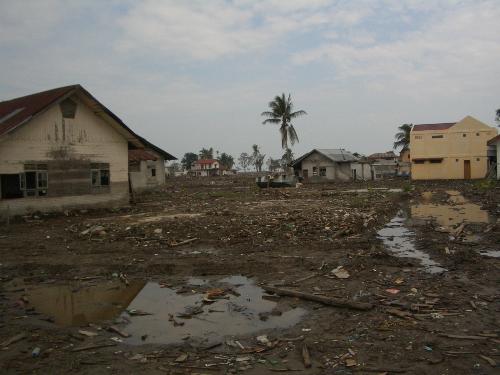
(334, 171)
(363, 171)
(67, 146)
(143, 179)
(466, 140)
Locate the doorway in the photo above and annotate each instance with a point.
(10, 186)
(467, 173)
(305, 174)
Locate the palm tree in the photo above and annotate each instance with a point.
(497, 119)
(282, 113)
(403, 136)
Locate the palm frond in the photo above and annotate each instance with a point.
(297, 114)
(292, 134)
(269, 114)
(271, 121)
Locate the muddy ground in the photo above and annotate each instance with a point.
(421, 258)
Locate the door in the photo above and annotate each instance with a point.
(305, 174)
(467, 169)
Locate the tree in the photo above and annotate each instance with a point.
(245, 160)
(403, 136)
(257, 158)
(188, 160)
(287, 158)
(497, 118)
(206, 153)
(282, 113)
(226, 160)
(273, 164)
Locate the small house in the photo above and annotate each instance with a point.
(62, 149)
(321, 165)
(206, 168)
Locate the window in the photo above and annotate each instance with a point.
(477, 159)
(477, 134)
(464, 135)
(438, 136)
(315, 171)
(68, 108)
(153, 172)
(34, 181)
(322, 172)
(99, 174)
(418, 161)
(435, 161)
(418, 137)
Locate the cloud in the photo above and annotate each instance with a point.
(208, 30)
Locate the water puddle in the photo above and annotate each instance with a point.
(400, 239)
(457, 211)
(401, 242)
(200, 313)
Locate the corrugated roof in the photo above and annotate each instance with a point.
(383, 155)
(336, 155)
(440, 126)
(140, 155)
(494, 140)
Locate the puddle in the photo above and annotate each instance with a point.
(71, 305)
(174, 317)
(450, 215)
(400, 240)
(490, 253)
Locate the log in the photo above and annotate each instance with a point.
(306, 356)
(462, 337)
(184, 242)
(324, 300)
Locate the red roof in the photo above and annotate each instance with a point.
(206, 161)
(440, 126)
(139, 155)
(15, 112)
(494, 140)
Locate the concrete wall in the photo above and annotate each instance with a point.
(363, 171)
(466, 140)
(67, 146)
(142, 179)
(334, 171)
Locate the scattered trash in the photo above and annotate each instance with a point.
(87, 333)
(340, 272)
(35, 352)
(392, 291)
(306, 357)
(182, 358)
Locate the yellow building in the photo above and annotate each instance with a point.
(450, 150)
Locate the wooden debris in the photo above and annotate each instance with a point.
(306, 356)
(324, 300)
(92, 346)
(185, 242)
(400, 313)
(117, 330)
(491, 361)
(13, 340)
(379, 370)
(462, 337)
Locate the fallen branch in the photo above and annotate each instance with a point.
(92, 346)
(175, 244)
(462, 337)
(306, 356)
(324, 300)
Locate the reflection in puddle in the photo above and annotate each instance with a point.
(449, 216)
(401, 241)
(172, 318)
(490, 253)
(72, 305)
(238, 313)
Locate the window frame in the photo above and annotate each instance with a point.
(99, 169)
(41, 173)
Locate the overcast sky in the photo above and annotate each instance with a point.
(189, 74)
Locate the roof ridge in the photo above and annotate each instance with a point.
(43, 92)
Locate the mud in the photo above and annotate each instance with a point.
(97, 271)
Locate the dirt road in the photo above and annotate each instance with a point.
(174, 284)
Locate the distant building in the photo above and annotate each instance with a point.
(456, 150)
(206, 168)
(494, 156)
(321, 165)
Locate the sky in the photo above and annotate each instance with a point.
(188, 74)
